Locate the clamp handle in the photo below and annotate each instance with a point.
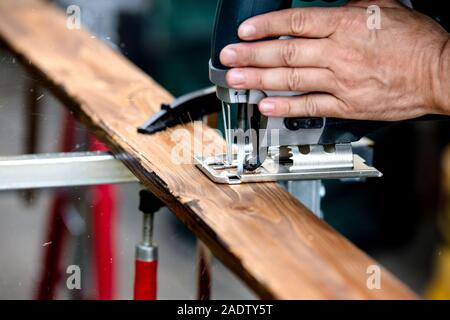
(145, 280)
(146, 262)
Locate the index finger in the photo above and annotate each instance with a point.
(297, 22)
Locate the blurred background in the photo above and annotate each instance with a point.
(401, 220)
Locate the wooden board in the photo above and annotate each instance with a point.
(269, 239)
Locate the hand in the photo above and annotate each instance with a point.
(348, 70)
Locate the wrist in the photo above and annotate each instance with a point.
(441, 81)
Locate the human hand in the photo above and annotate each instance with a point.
(350, 71)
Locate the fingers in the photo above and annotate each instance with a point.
(305, 22)
(283, 79)
(280, 53)
(308, 105)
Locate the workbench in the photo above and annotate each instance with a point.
(259, 231)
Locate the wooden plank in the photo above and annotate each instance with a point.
(269, 239)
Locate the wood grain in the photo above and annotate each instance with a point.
(269, 239)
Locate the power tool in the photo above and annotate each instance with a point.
(275, 148)
(265, 149)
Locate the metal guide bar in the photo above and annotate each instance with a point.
(62, 170)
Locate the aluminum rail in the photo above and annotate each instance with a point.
(62, 170)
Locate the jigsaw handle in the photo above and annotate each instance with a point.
(230, 14)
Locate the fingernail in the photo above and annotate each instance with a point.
(236, 77)
(247, 30)
(229, 56)
(266, 107)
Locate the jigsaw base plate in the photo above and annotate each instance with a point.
(217, 169)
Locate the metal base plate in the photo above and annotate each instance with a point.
(217, 170)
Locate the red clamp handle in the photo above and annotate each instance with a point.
(145, 280)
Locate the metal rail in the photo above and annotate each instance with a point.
(62, 170)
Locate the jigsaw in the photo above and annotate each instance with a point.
(259, 148)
